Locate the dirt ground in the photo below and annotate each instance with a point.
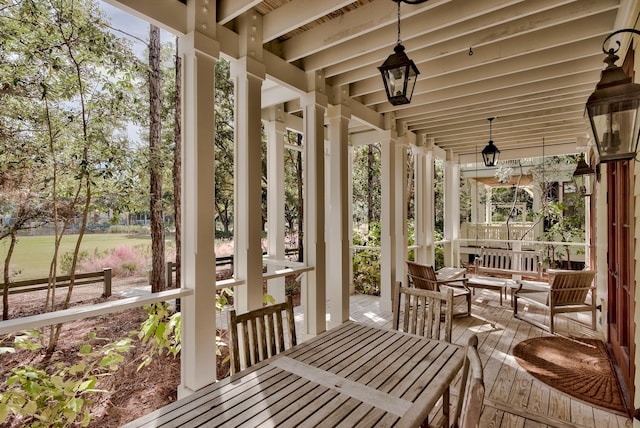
(132, 393)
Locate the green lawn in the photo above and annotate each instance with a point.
(32, 255)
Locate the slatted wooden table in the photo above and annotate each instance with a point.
(352, 375)
(448, 273)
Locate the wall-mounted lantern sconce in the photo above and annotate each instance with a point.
(399, 73)
(490, 153)
(583, 176)
(613, 109)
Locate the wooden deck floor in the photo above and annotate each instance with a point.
(513, 397)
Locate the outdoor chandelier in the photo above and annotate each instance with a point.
(490, 153)
(583, 176)
(613, 109)
(399, 73)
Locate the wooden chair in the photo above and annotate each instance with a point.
(471, 392)
(260, 333)
(424, 277)
(567, 291)
(424, 312)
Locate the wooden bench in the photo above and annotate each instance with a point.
(29, 285)
(510, 262)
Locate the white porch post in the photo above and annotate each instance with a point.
(314, 286)
(349, 185)
(199, 53)
(400, 207)
(338, 251)
(248, 73)
(275, 130)
(388, 219)
(487, 207)
(421, 206)
(451, 212)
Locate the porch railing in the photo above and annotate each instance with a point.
(497, 231)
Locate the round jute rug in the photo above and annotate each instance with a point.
(578, 367)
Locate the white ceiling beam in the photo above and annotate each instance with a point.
(443, 37)
(478, 125)
(230, 9)
(297, 13)
(169, 15)
(497, 101)
(374, 15)
(547, 46)
(578, 71)
(523, 108)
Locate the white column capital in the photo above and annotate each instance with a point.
(314, 98)
(247, 66)
(200, 43)
(338, 111)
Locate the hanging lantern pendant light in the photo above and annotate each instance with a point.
(614, 109)
(399, 73)
(490, 153)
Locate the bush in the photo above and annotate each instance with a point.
(366, 263)
(124, 261)
(61, 398)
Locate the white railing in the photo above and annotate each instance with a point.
(497, 231)
(88, 311)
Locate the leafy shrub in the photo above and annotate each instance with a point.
(366, 263)
(67, 259)
(161, 331)
(61, 398)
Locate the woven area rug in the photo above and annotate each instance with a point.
(578, 367)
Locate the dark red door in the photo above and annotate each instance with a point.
(620, 267)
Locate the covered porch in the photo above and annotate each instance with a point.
(311, 67)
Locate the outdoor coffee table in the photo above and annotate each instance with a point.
(499, 284)
(449, 273)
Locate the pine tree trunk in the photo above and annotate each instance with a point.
(177, 167)
(155, 163)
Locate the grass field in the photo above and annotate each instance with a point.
(32, 255)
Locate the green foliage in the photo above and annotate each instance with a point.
(161, 331)
(67, 259)
(366, 263)
(132, 229)
(64, 396)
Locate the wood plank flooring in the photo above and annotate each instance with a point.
(513, 397)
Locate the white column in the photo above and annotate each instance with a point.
(475, 202)
(451, 212)
(338, 220)
(421, 186)
(430, 209)
(314, 286)
(487, 206)
(400, 227)
(388, 219)
(199, 54)
(275, 130)
(349, 185)
(248, 74)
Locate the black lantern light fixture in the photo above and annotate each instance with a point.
(399, 73)
(583, 176)
(613, 109)
(490, 153)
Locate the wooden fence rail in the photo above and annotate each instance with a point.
(29, 285)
